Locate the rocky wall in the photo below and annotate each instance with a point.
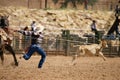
(78, 21)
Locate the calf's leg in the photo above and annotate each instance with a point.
(101, 54)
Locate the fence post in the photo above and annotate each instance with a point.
(119, 47)
(67, 48)
(20, 42)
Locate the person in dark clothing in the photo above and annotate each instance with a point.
(94, 29)
(35, 45)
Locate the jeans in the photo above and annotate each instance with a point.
(36, 48)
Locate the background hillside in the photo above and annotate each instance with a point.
(22, 12)
(78, 21)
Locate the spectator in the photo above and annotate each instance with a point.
(33, 26)
(94, 29)
(93, 26)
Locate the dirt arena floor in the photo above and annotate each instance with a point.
(60, 68)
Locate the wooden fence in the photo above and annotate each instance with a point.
(60, 46)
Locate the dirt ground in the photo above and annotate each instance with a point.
(60, 68)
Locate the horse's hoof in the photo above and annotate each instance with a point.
(16, 63)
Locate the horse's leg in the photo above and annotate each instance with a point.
(9, 48)
(1, 55)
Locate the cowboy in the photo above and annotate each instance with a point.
(35, 45)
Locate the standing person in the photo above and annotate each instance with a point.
(93, 26)
(94, 29)
(35, 45)
(33, 26)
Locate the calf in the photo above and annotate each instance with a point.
(93, 49)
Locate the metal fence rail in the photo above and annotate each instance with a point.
(59, 46)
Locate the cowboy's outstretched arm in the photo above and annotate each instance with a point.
(27, 33)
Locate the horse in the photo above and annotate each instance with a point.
(92, 50)
(5, 43)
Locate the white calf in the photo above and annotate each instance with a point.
(93, 49)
